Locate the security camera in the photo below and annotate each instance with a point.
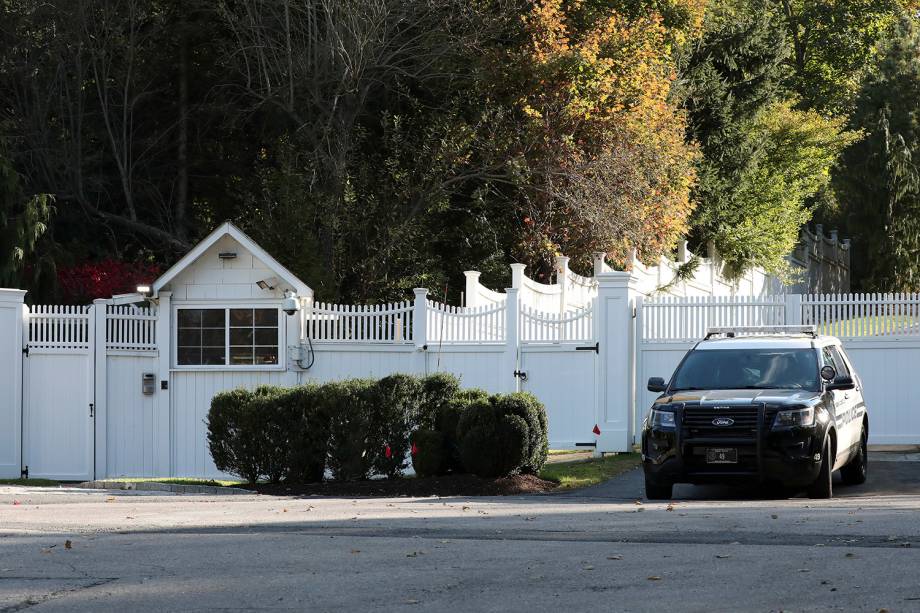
(290, 304)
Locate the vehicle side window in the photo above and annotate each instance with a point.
(828, 358)
(841, 364)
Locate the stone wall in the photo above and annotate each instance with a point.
(824, 262)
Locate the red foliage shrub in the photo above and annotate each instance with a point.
(82, 283)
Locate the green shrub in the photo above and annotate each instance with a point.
(448, 419)
(429, 459)
(438, 390)
(271, 409)
(503, 435)
(396, 400)
(234, 434)
(532, 412)
(349, 406)
(309, 437)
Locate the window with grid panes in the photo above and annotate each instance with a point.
(201, 337)
(253, 336)
(235, 337)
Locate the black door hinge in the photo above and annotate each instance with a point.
(25, 351)
(92, 410)
(596, 348)
(25, 472)
(521, 374)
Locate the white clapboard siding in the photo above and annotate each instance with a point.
(130, 328)
(453, 324)
(541, 327)
(863, 315)
(362, 323)
(682, 319)
(53, 326)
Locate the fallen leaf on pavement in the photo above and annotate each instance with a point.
(616, 557)
(638, 502)
(356, 551)
(722, 556)
(670, 507)
(850, 555)
(654, 578)
(774, 516)
(588, 567)
(68, 545)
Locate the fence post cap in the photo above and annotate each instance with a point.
(12, 295)
(475, 274)
(420, 291)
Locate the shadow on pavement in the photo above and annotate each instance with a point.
(886, 478)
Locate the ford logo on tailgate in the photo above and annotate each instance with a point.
(723, 421)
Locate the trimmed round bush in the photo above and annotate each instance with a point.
(447, 420)
(349, 406)
(309, 436)
(438, 390)
(533, 413)
(235, 434)
(430, 457)
(396, 400)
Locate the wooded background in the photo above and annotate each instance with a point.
(378, 145)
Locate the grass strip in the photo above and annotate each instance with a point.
(571, 475)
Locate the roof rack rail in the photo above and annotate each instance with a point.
(736, 331)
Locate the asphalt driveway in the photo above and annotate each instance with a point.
(603, 548)
(891, 474)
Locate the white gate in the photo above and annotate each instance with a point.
(58, 394)
(558, 364)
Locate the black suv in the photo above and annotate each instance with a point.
(766, 405)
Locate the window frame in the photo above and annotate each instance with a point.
(227, 365)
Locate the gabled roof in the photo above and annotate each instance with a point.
(228, 229)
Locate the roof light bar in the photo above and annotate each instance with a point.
(734, 331)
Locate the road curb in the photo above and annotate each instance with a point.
(154, 486)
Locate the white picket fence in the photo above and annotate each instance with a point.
(346, 323)
(68, 327)
(542, 327)
(52, 326)
(863, 315)
(452, 324)
(685, 319)
(130, 328)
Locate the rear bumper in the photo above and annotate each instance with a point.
(787, 457)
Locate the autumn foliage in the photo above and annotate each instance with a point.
(611, 167)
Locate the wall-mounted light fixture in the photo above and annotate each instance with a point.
(268, 284)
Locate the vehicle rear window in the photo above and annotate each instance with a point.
(748, 369)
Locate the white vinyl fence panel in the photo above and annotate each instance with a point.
(376, 323)
(542, 327)
(453, 324)
(130, 328)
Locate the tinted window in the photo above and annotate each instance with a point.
(748, 369)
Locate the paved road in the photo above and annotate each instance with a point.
(598, 549)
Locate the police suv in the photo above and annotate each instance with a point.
(767, 404)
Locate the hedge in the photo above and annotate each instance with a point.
(358, 428)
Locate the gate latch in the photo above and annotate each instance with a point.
(25, 472)
(596, 348)
(92, 410)
(521, 374)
